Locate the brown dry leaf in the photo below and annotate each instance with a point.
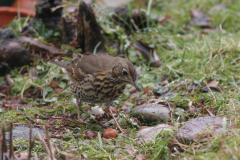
(148, 51)
(58, 90)
(130, 151)
(213, 87)
(90, 134)
(142, 127)
(131, 90)
(113, 110)
(166, 18)
(23, 155)
(199, 19)
(124, 108)
(140, 157)
(147, 89)
(54, 84)
(212, 84)
(117, 155)
(134, 95)
(218, 7)
(208, 30)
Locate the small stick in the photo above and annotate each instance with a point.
(31, 144)
(35, 156)
(1, 141)
(43, 143)
(11, 154)
(4, 145)
(49, 142)
(117, 125)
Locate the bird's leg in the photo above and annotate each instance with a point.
(116, 123)
(77, 101)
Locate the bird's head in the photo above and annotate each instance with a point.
(125, 72)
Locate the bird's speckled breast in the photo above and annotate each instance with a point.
(97, 88)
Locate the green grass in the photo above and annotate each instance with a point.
(188, 58)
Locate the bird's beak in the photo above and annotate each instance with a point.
(136, 85)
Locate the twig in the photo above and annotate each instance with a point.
(11, 154)
(117, 125)
(210, 91)
(43, 143)
(49, 142)
(210, 113)
(4, 145)
(171, 111)
(35, 156)
(31, 143)
(1, 140)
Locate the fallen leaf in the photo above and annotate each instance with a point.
(54, 84)
(218, 7)
(124, 108)
(164, 19)
(140, 157)
(149, 53)
(208, 30)
(199, 19)
(212, 84)
(132, 90)
(90, 134)
(58, 90)
(113, 109)
(23, 155)
(130, 151)
(142, 127)
(213, 87)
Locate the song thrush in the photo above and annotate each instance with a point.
(98, 78)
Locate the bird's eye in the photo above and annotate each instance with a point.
(125, 72)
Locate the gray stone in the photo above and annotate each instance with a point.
(150, 133)
(198, 128)
(23, 131)
(151, 113)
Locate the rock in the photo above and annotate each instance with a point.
(160, 90)
(12, 51)
(151, 113)
(22, 131)
(196, 129)
(149, 133)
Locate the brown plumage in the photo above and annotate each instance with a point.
(99, 78)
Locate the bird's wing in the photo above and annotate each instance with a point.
(86, 64)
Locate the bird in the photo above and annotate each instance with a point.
(98, 78)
